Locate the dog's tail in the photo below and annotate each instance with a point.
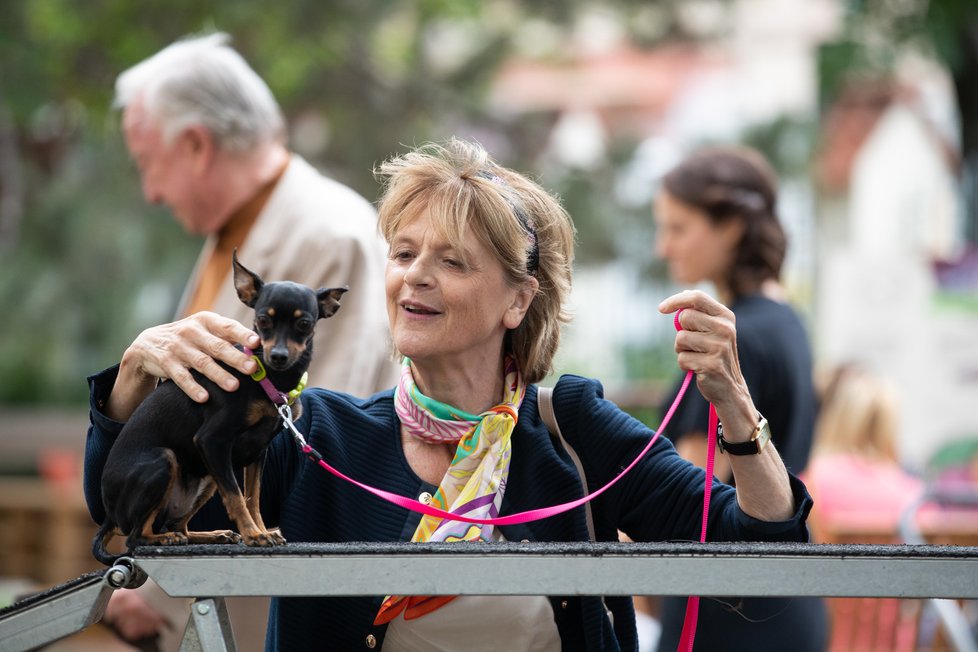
(102, 538)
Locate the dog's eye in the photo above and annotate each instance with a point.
(304, 326)
(263, 322)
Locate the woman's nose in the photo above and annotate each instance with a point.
(417, 272)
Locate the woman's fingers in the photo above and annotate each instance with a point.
(707, 343)
(195, 343)
(220, 335)
(696, 301)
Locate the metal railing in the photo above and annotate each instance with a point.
(211, 573)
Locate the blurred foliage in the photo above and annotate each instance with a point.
(787, 142)
(879, 34)
(86, 264)
(68, 282)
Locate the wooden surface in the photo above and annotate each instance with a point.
(45, 531)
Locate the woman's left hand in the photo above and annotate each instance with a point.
(707, 346)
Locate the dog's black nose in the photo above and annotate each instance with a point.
(279, 358)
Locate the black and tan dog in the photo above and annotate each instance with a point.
(173, 453)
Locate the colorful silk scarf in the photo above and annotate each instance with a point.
(475, 481)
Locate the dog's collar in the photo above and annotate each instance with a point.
(274, 395)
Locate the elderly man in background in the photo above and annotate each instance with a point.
(208, 138)
(209, 141)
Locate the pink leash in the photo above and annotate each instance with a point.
(512, 519)
(692, 606)
(693, 602)
(688, 634)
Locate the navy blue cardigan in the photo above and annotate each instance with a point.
(660, 500)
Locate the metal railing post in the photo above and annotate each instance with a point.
(209, 628)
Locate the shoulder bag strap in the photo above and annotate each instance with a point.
(546, 406)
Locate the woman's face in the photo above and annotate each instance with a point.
(444, 311)
(695, 248)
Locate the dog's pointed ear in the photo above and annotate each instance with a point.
(246, 282)
(329, 300)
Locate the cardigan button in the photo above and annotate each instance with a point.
(371, 641)
(563, 604)
(425, 498)
(524, 541)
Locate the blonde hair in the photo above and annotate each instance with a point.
(463, 189)
(858, 414)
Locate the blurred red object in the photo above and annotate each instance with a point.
(59, 466)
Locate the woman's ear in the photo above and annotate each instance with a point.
(521, 303)
(732, 231)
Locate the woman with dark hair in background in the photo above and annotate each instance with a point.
(716, 222)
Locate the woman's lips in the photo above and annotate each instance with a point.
(418, 308)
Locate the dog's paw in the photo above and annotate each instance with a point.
(265, 539)
(276, 536)
(227, 536)
(171, 539)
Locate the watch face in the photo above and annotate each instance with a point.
(763, 434)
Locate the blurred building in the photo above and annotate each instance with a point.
(873, 224)
(888, 223)
(747, 65)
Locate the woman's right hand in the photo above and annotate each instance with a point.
(172, 350)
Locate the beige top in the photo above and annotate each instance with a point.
(505, 622)
(479, 622)
(231, 236)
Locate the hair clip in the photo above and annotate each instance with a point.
(533, 256)
(750, 199)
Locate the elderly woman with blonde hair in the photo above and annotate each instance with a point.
(478, 277)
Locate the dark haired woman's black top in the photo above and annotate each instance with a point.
(776, 360)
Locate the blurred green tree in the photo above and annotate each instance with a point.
(879, 33)
(86, 264)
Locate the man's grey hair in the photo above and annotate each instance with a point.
(202, 81)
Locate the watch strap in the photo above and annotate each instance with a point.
(753, 446)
